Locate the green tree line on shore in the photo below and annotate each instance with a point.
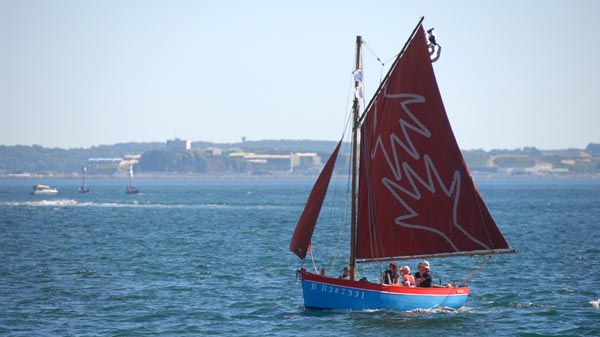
(156, 157)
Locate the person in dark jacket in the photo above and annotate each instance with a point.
(345, 274)
(391, 276)
(424, 277)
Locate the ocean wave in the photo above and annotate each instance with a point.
(75, 203)
(42, 203)
(136, 204)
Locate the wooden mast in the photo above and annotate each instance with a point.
(355, 128)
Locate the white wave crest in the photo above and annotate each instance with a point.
(134, 204)
(44, 203)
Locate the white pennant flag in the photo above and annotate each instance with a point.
(358, 77)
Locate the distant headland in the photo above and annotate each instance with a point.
(264, 157)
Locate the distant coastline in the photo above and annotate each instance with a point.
(224, 176)
(263, 159)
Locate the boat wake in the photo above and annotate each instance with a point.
(442, 309)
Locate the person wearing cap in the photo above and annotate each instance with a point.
(424, 277)
(391, 276)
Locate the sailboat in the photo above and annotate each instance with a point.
(412, 194)
(130, 188)
(84, 187)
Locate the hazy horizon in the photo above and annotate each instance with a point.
(77, 74)
(284, 140)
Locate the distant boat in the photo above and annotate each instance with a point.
(84, 187)
(130, 188)
(43, 189)
(412, 194)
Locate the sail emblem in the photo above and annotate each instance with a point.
(397, 167)
(416, 196)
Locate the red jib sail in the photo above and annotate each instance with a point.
(300, 243)
(416, 196)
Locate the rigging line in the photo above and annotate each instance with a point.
(391, 58)
(345, 130)
(332, 209)
(312, 258)
(362, 85)
(412, 36)
(372, 52)
(470, 276)
(446, 298)
(486, 259)
(382, 68)
(345, 211)
(338, 181)
(348, 100)
(348, 108)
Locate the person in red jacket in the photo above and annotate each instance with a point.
(407, 278)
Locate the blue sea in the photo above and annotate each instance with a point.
(202, 257)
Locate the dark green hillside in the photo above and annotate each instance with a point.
(268, 156)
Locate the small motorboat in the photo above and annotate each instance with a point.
(43, 189)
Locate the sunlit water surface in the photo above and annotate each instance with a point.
(210, 257)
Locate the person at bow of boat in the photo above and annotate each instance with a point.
(391, 276)
(424, 277)
(407, 278)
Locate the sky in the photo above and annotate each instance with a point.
(82, 73)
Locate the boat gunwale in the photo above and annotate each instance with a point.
(448, 290)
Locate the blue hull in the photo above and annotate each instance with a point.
(328, 293)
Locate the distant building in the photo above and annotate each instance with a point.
(103, 165)
(96, 162)
(215, 151)
(280, 161)
(306, 159)
(178, 144)
(112, 165)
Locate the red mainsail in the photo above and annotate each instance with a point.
(300, 243)
(416, 195)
